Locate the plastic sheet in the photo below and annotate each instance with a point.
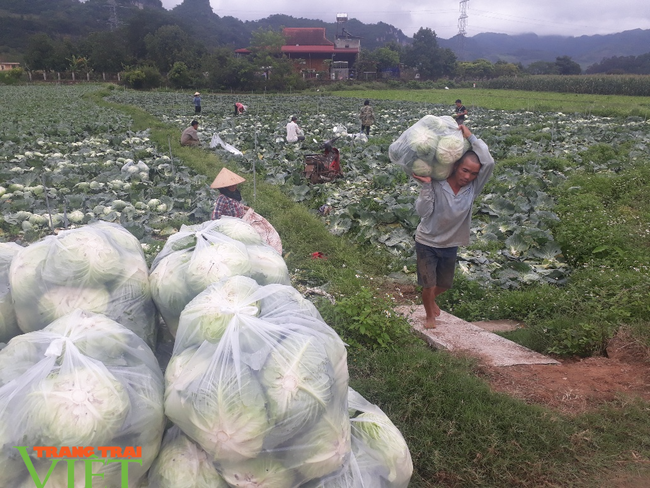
(216, 141)
(99, 267)
(8, 323)
(199, 255)
(84, 380)
(263, 393)
(430, 147)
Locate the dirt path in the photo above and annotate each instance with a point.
(574, 386)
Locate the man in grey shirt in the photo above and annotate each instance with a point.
(445, 210)
(190, 136)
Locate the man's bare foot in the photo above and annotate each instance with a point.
(436, 310)
(430, 323)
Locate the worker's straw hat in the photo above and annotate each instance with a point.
(197, 93)
(226, 178)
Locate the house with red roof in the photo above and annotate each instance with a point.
(316, 55)
(5, 65)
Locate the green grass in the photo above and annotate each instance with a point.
(515, 100)
(460, 433)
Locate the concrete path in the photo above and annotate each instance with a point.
(454, 334)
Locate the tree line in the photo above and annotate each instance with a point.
(149, 51)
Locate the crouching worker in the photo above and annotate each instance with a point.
(229, 202)
(332, 158)
(445, 210)
(240, 108)
(190, 136)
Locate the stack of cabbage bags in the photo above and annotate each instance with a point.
(84, 380)
(98, 267)
(430, 147)
(8, 323)
(199, 255)
(259, 382)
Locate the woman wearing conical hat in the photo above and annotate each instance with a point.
(229, 202)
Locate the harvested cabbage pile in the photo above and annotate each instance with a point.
(84, 380)
(8, 323)
(259, 381)
(99, 267)
(430, 147)
(199, 255)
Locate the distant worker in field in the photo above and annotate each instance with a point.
(367, 117)
(197, 103)
(240, 108)
(229, 202)
(190, 136)
(461, 112)
(445, 210)
(294, 132)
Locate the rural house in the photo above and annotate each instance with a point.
(315, 55)
(5, 66)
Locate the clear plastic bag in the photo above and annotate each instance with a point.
(99, 267)
(84, 381)
(8, 323)
(135, 171)
(263, 394)
(380, 457)
(430, 147)
(199, 255)
(181, 463)
(379, 447)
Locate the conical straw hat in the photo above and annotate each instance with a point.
(226, 178)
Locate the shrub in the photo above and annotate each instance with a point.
(366, 320)
(142, 78)
(11, 77)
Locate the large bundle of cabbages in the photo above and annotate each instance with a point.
(8, 323)
(84, 380)
(99, 267)
(199, 255)
(259, 381)
(430, 147)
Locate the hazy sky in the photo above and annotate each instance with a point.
(543, 17)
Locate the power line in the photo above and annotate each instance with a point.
(462, 27)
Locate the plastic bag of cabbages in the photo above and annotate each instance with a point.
(259, 381)
(182, 463)
(99, 267)
(380, 457)
(8, 323)
(430, 147)
(199, 255)
(84, 380)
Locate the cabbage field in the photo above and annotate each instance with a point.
(512, 243)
